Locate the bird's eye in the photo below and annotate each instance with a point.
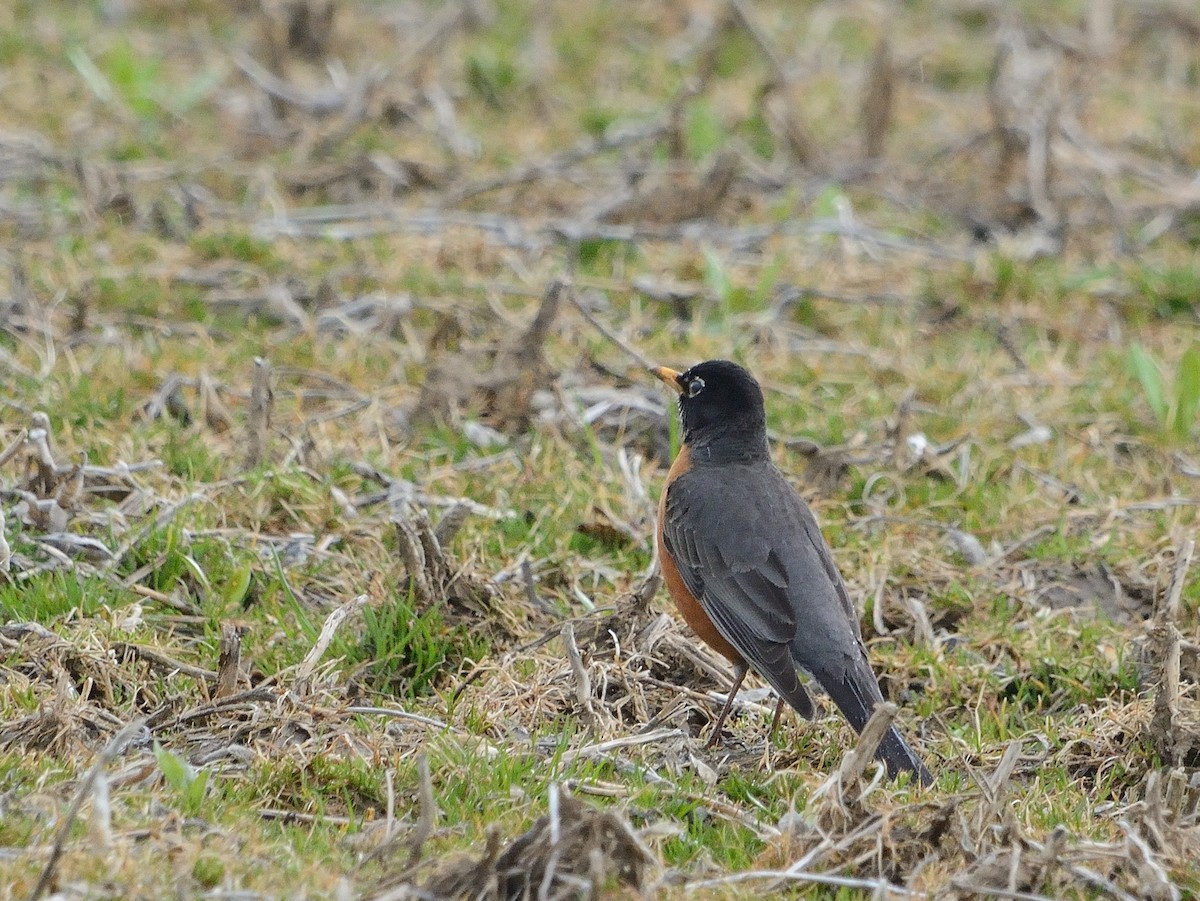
(695, 386)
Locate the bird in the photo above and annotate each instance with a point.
(744, 560)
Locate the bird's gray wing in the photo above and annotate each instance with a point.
(713, 532)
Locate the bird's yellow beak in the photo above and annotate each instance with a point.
(670, 376)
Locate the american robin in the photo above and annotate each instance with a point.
(746, 563)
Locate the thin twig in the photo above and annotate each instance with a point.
(626, 742)
(15, 447)
(332, 622)
(398, 714)
(608, 333)
(251, 696)
(531, 592)
(115, 746)
(880, 888)
(583, 683)
(559, 163)
(164, 661)
(427, 818)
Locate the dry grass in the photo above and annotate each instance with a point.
(328, 460)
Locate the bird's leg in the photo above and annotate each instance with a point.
(765, 763)
(775, 721)
(739, 673)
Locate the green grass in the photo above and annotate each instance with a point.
(280, 788)
(52, 597)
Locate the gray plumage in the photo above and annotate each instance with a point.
(750, 550)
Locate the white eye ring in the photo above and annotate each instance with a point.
(695, 386)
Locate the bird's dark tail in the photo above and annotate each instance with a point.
(898, 757)
(856, 698)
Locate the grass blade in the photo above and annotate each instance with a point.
(1187, 392)
(1145, 369)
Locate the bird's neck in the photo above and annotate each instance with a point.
(728, 447)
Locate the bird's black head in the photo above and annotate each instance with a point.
(721, 408)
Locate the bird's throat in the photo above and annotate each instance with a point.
(727, 445)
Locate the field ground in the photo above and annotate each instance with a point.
(328, 461)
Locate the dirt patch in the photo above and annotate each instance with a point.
(1122, 597)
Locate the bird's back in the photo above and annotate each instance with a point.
(746, 518)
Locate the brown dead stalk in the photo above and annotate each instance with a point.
(878, 99)
(229, 663)
(434, 577)
(258, 423)
(833, 797)
(1164, 645)
(571, 852)
(329, 628)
